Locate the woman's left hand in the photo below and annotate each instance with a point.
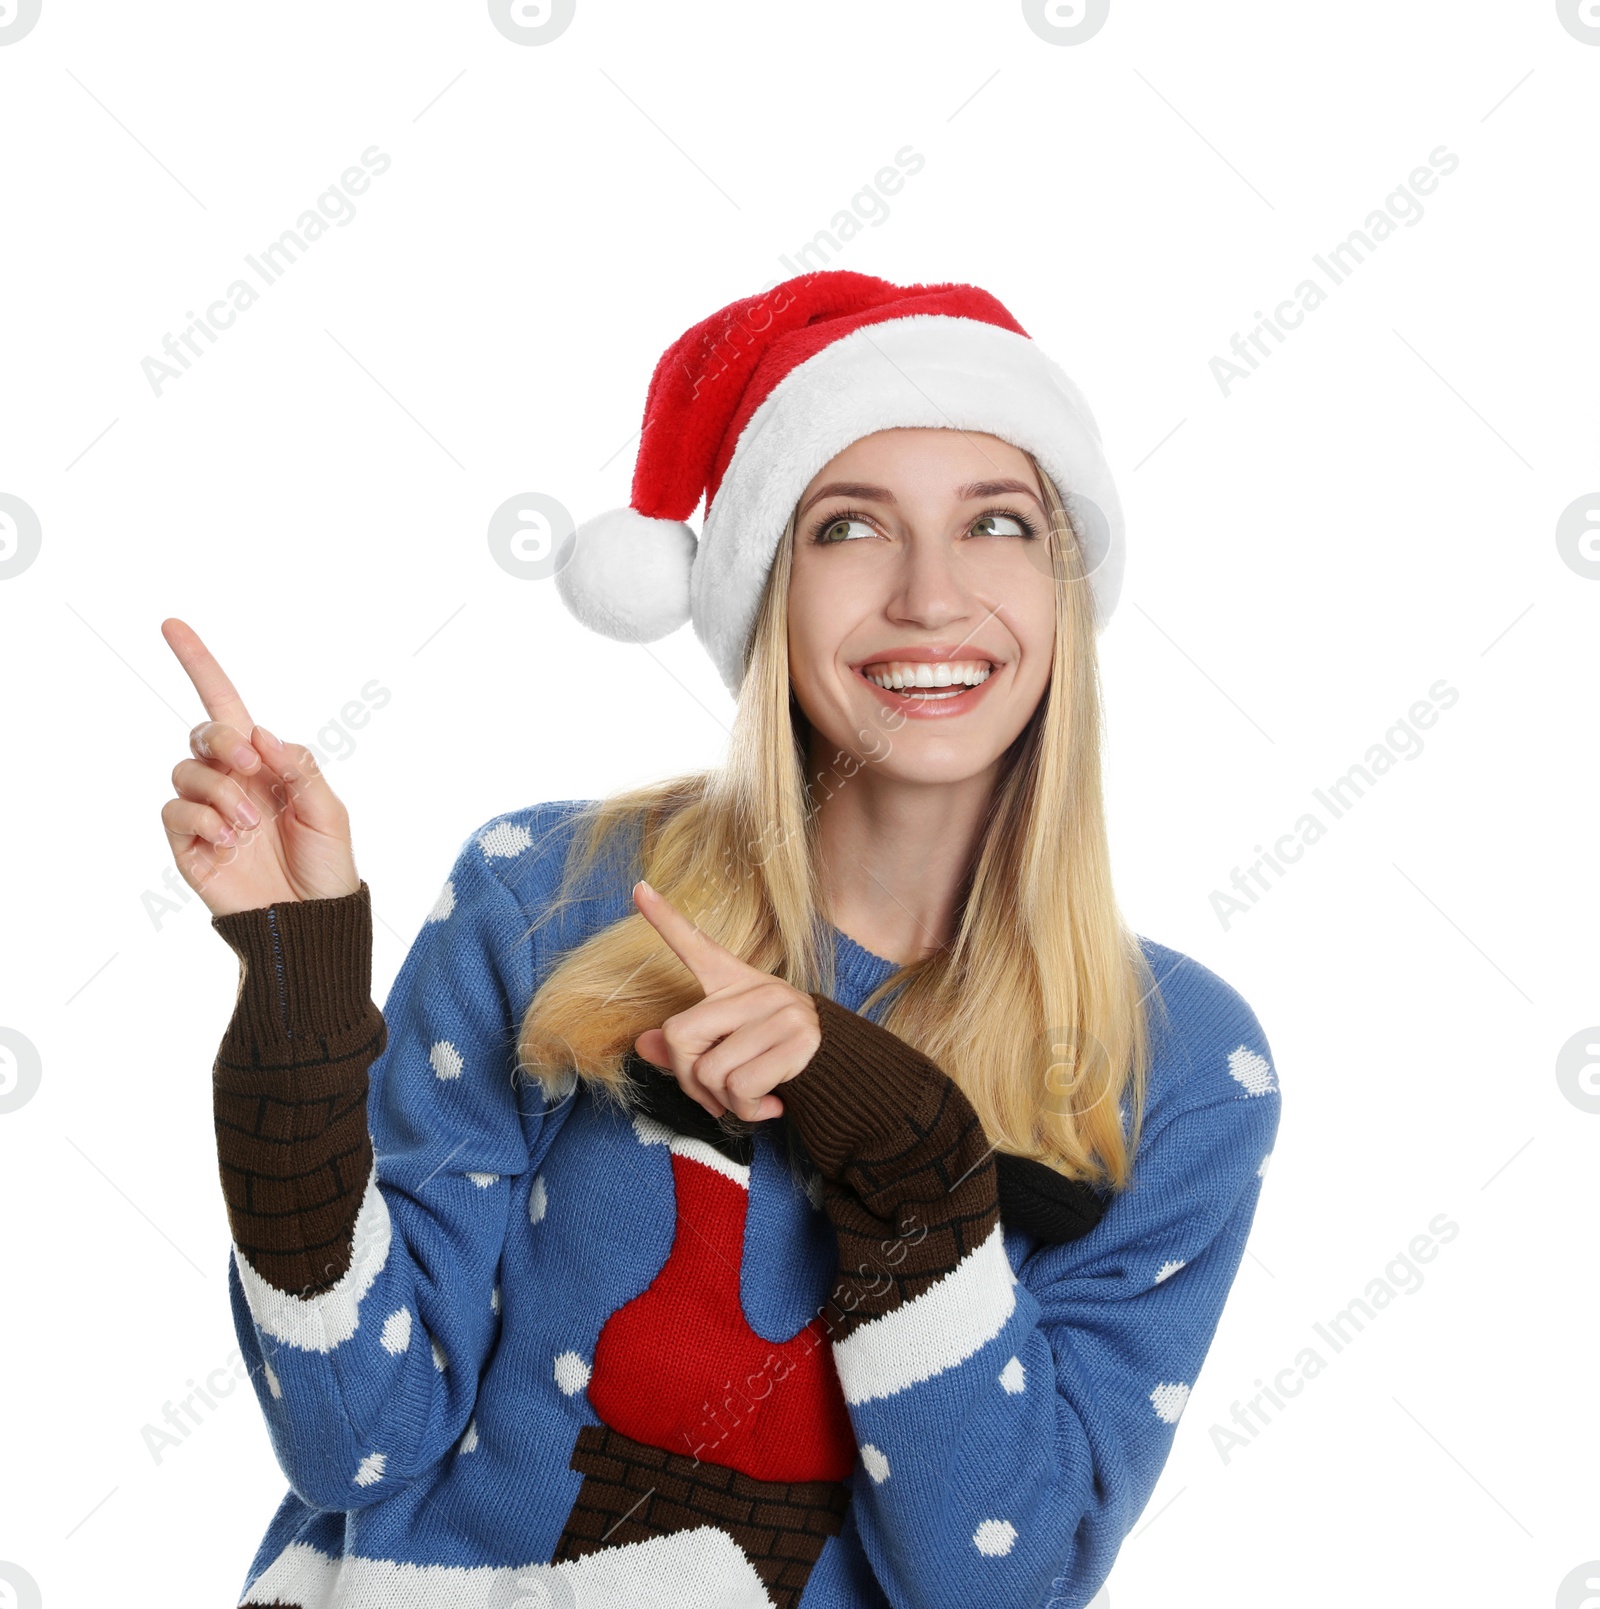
(750, 1033)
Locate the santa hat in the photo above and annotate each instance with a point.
(748, 405)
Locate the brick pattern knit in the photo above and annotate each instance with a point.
(516, 1346)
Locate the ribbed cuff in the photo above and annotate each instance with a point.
(861, 1084)
(306, 968)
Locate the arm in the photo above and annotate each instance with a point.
(1010, 1431)
(368, 1169)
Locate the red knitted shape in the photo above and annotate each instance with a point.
(669, 1363)
(717, 373)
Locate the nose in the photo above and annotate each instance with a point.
(932, 584)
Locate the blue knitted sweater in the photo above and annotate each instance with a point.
(519, 1348)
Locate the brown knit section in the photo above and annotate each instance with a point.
(289, 1086)
(909, 1174)
(632, 1492)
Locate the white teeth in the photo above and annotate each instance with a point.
(901, 674)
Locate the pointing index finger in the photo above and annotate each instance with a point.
(712, 966)
(217, 693)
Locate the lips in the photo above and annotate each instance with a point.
(929, 703)
(933, 654)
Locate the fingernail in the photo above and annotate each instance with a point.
(269, 737)
(247, 813)
(644, 885)
(225, 836)
(244, 757)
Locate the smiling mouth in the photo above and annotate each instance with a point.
(927, 682)
(929, 678)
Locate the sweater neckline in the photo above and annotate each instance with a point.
(861, 953)
(856, 971)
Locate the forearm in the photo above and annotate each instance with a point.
(289, 1087)
(314, 1253)
(909, 1175)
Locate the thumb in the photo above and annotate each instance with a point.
(299, 780)
(652, 1045)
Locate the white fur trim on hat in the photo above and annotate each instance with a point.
(923, 370)
(628, 575)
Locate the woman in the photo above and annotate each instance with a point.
(839, 1217)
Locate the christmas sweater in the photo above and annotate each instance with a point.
(519, 1346)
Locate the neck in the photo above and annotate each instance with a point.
(893, 854)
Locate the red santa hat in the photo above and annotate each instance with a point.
(744, 409)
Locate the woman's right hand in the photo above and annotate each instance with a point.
(255, 822)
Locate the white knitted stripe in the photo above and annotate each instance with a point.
(700, 1569)
(651, 1132)
(320, 1323)
(933, 1332)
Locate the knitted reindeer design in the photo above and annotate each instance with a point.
(911, 1195)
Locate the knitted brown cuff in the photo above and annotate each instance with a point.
(289, 1086)
(307, 966)
(909, 1174)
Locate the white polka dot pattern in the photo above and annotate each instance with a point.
(572, 1373)
(1253, 1071)
(504, 840)
(994, 1538)
(1169, 1399)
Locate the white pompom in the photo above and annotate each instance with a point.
(628, 575)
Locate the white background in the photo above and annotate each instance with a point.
(1373, 509)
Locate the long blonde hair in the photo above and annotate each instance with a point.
(1036, 1006)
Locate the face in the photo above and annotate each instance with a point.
(921, 555)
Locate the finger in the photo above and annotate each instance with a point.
(750, 1088)
(217, 693)
(195, 859)
(713, 967)
(216, 740)
(299, 781)
(653, 1047)
(196, 780)
(718, 1066)
(187, 819)
(748, 1091)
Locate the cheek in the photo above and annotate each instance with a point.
(817, 620)
(1024, 595)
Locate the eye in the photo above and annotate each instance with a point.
(837, 530)
(1002, 524)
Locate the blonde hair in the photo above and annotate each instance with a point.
(1034, 1008)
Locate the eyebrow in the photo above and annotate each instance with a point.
(864, 491)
